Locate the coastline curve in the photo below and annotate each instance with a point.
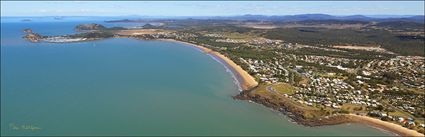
(243, 80)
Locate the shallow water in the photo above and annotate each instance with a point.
(128, 87)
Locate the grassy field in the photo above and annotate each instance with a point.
(353, 108)
(284, 88)
(307, 111)
(400, 114)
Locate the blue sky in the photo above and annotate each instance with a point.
(208, 8)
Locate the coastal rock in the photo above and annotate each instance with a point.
(293, 112)
(27, 30)
(32, 37)
(86, 27)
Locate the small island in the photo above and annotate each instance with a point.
(32, 37)
(26, 20)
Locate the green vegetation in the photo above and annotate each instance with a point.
(305, 111)
(284, 88)
(94, 35)
(350, 54)
(319, 36)
(353, 108)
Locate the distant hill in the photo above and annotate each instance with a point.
(284, 18)
(303, 17)
(149, 26)
(333, 21)
(418, 19)
(93, 26)
(401, 25)
(124, 21)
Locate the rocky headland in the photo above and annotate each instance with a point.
(31, 36)
(87, 27)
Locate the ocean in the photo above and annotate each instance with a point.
(125, 86)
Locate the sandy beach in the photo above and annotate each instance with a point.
(391, 127)
(247, 82)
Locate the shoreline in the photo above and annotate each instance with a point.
(245, 81)
(384, 125)
(295, 114)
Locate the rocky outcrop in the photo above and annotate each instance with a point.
(32, 37)
(294, 112)
(88, 27)
(27, 30)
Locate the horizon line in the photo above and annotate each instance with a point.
(212, 15)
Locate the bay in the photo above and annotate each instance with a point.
(128, 87)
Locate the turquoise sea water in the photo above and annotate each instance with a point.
(127, 87)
